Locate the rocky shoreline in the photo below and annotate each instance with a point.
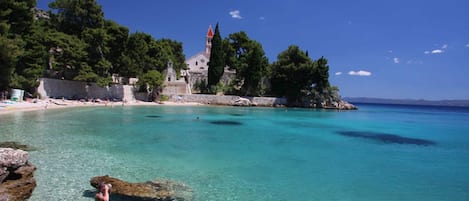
(232, 100)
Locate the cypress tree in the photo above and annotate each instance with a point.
(217, 62)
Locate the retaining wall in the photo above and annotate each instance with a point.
(230, 100)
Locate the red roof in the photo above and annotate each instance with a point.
(210, 31)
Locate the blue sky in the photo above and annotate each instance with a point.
(385, 49)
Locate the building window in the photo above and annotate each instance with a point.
(196, 63)
(202, 61)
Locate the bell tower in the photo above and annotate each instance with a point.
(208, 41)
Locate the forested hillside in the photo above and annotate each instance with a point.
(74, 41)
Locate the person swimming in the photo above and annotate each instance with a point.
(103, 193)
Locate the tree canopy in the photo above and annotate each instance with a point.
(294, 74)
(248, 58)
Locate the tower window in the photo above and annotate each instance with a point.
(196, 63)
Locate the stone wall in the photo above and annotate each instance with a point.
(231, 100)
(268, 101)
(175, 88)
(199, 76)
(55, 88)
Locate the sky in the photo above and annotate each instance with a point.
(401, 49)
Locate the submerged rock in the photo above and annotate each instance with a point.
(16, 175)
(387, 138)
(151, 190)
(16, 145)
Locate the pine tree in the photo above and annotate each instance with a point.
(217, 61)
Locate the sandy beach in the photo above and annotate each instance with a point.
(7, 107)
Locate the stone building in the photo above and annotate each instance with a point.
(197, 65)
(173, 85)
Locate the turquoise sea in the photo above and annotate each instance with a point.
(378, 153)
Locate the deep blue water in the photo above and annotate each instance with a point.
(380, 152)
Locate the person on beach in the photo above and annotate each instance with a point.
(103, 193)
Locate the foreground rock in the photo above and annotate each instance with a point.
(16, 175)
(152, 190)
(16, 145)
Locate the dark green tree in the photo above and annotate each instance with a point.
(292, 73)
(32, 64)
(74, 16)
(256, 69)
(247, 57)
(68, 54)
(9, 53)
(153, 81)
(322, 73)
(216, 65)
(136, 57)
(164, 50)
(116, 41)
(18, 14)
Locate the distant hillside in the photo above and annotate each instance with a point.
(456, 103)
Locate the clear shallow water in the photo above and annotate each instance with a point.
(250, 153)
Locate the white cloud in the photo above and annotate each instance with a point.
(427, 52)
(261, 18)
(338, 73)
(444, 46)
(396, 60)
(236, 14)
(437, 51)
(360, 73)
(467, 45)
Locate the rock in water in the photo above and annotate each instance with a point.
(16, 145)
(16, 175)
(13, 159)
(152, 190)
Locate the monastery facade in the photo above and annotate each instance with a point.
(197, 71)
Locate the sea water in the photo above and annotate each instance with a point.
(258, 154)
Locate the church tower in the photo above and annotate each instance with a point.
(208, 41)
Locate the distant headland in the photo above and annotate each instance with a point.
(453, 103)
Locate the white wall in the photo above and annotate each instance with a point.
(198, 62)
